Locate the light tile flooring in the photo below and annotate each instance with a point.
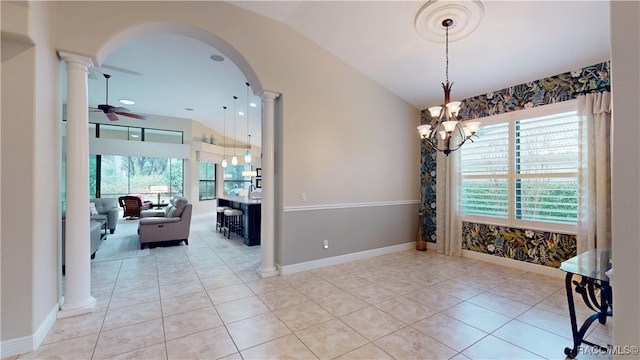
(205, 301)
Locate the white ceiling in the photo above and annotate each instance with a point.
(516, 42)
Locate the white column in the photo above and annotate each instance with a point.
(267, 222)
(77, 294)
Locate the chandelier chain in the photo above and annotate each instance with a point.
(447, 52)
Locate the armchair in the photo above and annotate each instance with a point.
(172, 226)
(107, 211)
(132, 206)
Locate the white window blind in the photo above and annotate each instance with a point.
(485, 170)
(546, 167)
(523, 169)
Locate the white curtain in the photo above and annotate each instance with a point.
(448, 206)
(594, 179)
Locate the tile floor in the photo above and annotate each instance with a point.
(205, 301)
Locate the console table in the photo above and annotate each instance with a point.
(252, 213)
(586, 274)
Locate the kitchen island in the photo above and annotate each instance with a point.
(252, 210)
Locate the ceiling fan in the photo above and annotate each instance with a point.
(111, 111)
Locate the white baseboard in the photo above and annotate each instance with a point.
(522, 265)
(314, 264)
(29, 343)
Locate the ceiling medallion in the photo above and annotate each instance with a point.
(466, 16)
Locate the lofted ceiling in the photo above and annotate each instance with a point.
(515, 42)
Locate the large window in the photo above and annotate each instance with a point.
(119, 132)
(523, 170)
(156, 179)
(207, 181)
(234, 182)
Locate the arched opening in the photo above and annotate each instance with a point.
(170, 29)
(185, 30)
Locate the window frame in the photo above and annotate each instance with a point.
(207, 181)
(511, 221)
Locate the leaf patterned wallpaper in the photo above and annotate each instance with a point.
(538, 247)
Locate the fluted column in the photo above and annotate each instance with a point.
(267, 222)
(77, 293)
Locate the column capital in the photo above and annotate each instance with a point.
(75, 58)
(268, 95)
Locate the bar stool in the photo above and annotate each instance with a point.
(220, 217)
(233, 221)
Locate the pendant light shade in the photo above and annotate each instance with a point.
(234, 159)
(224, 157)
(247, 154)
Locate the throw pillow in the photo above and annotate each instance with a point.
(92, 209)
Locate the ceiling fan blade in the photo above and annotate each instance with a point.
(131, 115)
(111, 111)
(111, 116)
(92, 109)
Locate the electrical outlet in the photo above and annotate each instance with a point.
(326, 244)
(303, 196)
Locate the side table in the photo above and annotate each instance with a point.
(104, 230)
(592, 284)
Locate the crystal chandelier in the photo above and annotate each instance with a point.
(446, 132)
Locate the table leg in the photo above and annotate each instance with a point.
(105, 225)
(587, 289)
(572, 352)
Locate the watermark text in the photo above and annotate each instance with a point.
(609, 350)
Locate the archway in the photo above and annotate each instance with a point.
(268, 98)
(81, 301)
(184, 30)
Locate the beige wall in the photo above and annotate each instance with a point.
(30, 173)
(625, 80)
(17, 188)
(46, 200)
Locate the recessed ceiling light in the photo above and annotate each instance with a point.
(189, 109)
(217, 58)
(240, 113)
(252, 104)
(134, 136)
(127, 101)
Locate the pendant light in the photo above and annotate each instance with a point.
(247, 154)
(234, 159)
(224, 157)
